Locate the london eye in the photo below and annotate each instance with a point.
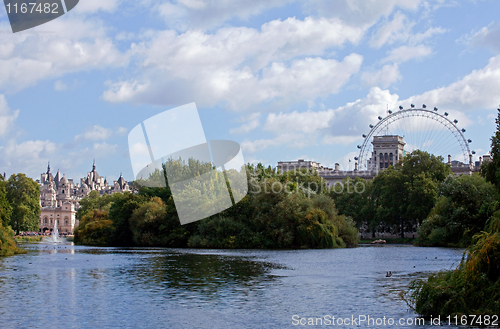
(421, 128)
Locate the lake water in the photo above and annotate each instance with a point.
(66, 286)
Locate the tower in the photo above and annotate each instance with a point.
(387, 151)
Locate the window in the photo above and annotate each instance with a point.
(381, 165)
(386, 157)
(390, 156)
(386, 164)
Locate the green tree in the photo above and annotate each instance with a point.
(405, 194)
(464, 207)
(352, 198)
(5, 207)
(491, 170)
(23, 194)
(94, 201)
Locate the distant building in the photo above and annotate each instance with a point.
(387, 151)
(60, 197)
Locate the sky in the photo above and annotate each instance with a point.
(285, 79)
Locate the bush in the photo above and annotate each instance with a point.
(473, 288)
(95, 229)
(8, 246)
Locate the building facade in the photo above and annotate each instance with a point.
(60, 197)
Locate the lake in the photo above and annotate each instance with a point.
(67, 286)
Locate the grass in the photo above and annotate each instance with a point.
(36, 238)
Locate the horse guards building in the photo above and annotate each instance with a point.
(60, 197)
(387, 151)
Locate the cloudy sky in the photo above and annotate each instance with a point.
(285, 79)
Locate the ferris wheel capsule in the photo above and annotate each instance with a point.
(359, 146)
(469, 141)
(446, 113)
(390, 112)
(400, 107)
(371, 126)
(424, 106)
(435, 108)
(379, 117)
(364, 135)
(356, 158)
(412, 105)
(463, 130)
(473, 152)
(456, 121)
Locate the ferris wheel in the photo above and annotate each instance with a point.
(422, 129)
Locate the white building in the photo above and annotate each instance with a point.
(60, 197)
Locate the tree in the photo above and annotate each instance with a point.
(464, 207)
(23, 194)
(491, 170)
(405, 194)
(5, 208)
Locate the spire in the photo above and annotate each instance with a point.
(48, 168)
(93, 166)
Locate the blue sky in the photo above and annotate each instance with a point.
(285, 79)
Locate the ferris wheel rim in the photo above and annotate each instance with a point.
(413, 112)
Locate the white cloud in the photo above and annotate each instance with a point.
(429, 33)
(391, 31)
(330, 127)
(60, 85)
(27, 157)
(488, 37)
(253, 122)
(239, 88)
(479, 89)
(406, 53)
(7, 116)
(384, 77)
(291, 140)
(95, 133)
(360, 13)
(73, 45)
(90, 6)
(305, 122)
(196, 14)
(98, 133)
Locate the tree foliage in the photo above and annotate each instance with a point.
(5, 207)
(465, 205)
(491, 170)
(280, 211)
(398, 199)
(23, 194)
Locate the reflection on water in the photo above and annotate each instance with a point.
(85, 287)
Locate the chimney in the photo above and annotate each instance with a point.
(337, 167)
(470, 160)
(355, 166)
(449, 159)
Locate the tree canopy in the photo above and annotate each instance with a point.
(491, 170)
(23, 194)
